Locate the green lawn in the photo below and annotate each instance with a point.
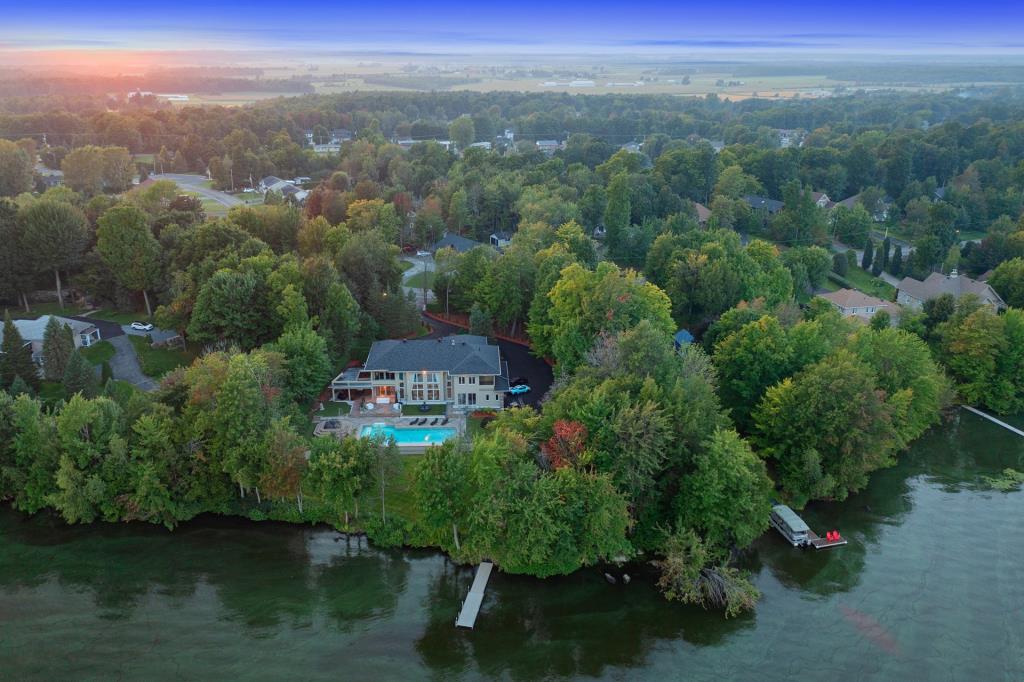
(99, 352)
(119, 316)
(869, 284)
(333, 409)
(398, 497)
(18, 313)
(414, 410)
(157, 362)
(474, 426)
(420, 280)
(405, 264)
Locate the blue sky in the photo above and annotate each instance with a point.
(867, 26)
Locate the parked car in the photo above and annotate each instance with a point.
(422, 254)
(519, 389)
(141, 326)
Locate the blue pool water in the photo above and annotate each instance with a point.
(431, 435)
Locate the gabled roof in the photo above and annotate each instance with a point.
(703, 213)
(460, 354)
(454, 241)
(763, 203)
(937, 284)
(851, 298)
(35, 330)
(270, 180)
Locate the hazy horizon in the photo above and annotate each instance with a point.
(203, 33)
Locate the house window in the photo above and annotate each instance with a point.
(472, 380)
(871, 310)
(471, 398)
(426, 386)
(486, 381)
(462, 399)
(462, 380)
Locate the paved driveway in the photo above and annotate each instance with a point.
(195, 183)
(125, 364)
(521, 362)
(419, 264)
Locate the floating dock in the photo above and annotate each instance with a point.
(818, 542)
(471, 604)
(796, 532)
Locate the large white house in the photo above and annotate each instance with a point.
(463, 371)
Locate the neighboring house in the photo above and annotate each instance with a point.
(463, 371)
(454, 241)
(407, 143)
(632, 147)
(790, 138)
(339, 135)
(763, 204)
(50, 177)
(329, 148)
(940, 193)
(913, 293)
(285, 188)
(880, 215)
(850, 302)
(500, 240)
(703, 214)
(821, 200)
(486, 146)
(549, 147)
(32, 331)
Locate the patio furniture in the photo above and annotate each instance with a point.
(445, 421)
(424, 408)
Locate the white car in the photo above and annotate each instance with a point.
(141, 326)
(422, 254)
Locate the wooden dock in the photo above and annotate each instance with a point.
(993, 420)
(818, 542)
(473, 600)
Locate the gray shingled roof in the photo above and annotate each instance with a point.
(462, 354)
(764, 203)
(459, 243)
(938, 284)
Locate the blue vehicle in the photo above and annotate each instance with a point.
(519, 389)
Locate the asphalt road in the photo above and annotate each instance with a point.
(194, 183)
(536, 373)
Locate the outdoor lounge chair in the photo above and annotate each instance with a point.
(445, 421)
(434, 423)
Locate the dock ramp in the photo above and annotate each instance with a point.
(473, 600)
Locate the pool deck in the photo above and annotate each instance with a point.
(350, 424)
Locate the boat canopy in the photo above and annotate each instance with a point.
(789, 517)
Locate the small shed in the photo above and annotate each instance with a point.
(682, 338)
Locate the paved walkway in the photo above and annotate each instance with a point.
(419, 264)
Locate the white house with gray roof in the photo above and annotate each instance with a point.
(32, 332)
(463, 371)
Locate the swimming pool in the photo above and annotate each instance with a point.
(434, 435)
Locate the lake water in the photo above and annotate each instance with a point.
(931, 587)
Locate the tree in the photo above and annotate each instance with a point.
(881, 320)
(16, 268)
(840, 265)
(79, 377)
(56, 234)
(617, 212)
(84, 170)
(824, 449)
(15, 357)
(727, 498)
(285, 462)
(126, 244)
(896, 264)
(886, 247)
(58, 345)
(15, 169)
(338, 470)
(306, 361)
(443, 490)
(480, 321)
(1008, 281)
(866, 259)
(462, 132)
(224, 310)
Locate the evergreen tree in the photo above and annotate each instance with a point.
(19, 386)
(886, 247)
(58, 345)
(16, 357)
(79, 377)
(896, 264)
(840, 265)
(869, 252)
